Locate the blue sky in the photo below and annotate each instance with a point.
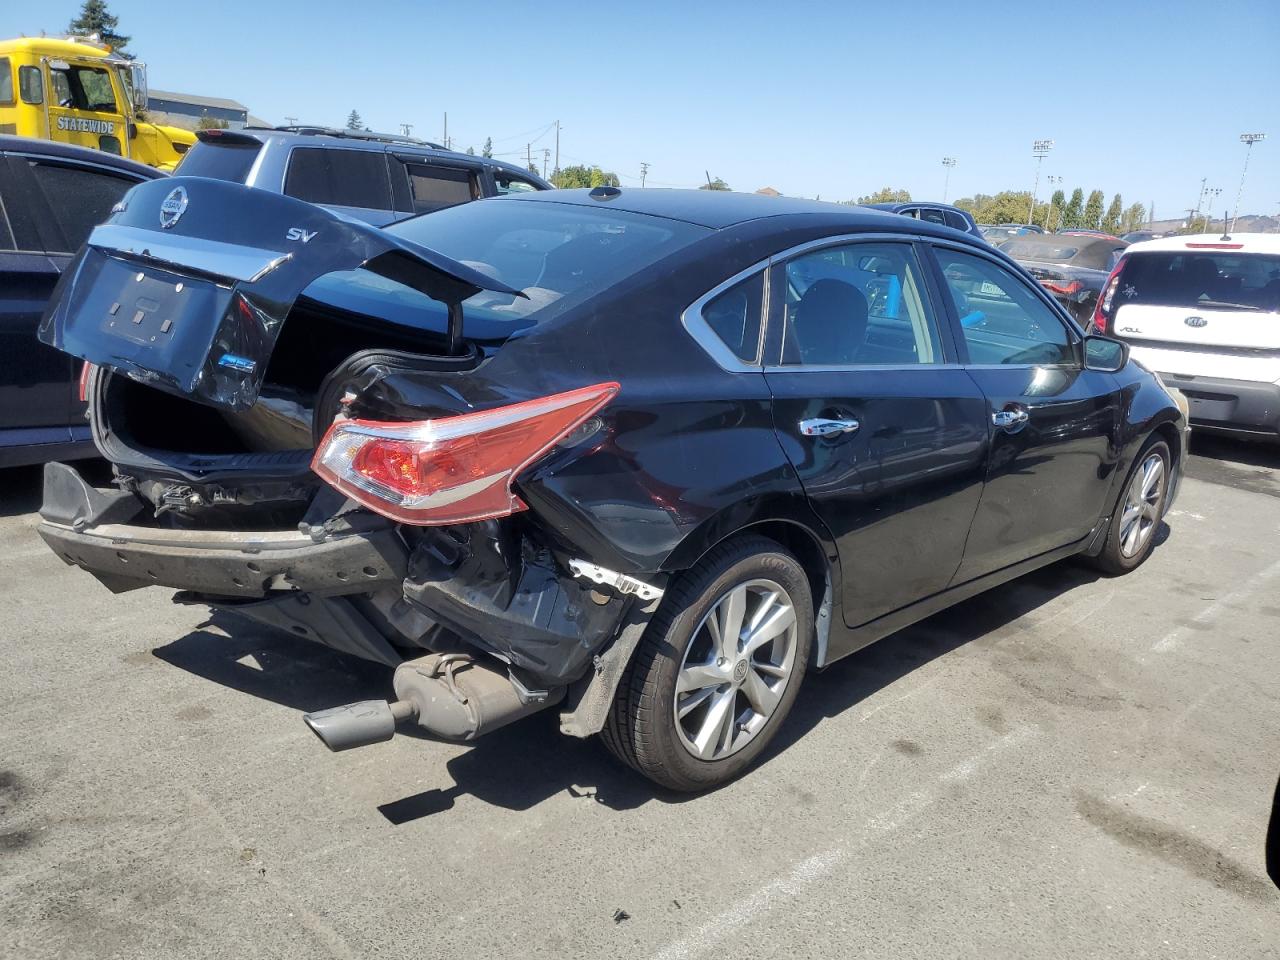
(833, 99)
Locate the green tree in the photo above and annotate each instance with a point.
(1056, 204)
(487, 150)
(885, 195)
(211, 123)
(1092, 211)
(1111, 222)
(1134, 217)
(471, 151)
(1008, 206)
(353, 120)
(1073, 213)
(716, 184)
(580, 175)
(96, 18)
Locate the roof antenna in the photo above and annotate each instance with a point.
(1225, 234)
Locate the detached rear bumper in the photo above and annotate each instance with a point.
(93, 528)
(1244, 407)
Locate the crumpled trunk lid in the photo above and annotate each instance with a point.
(188, 284)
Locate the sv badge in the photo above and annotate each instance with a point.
(297, 233)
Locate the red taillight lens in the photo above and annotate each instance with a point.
(85, 371)
(1104, 312)
(452, 470)
(1064, 288)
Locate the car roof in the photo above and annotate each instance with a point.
(65, 151)
(718, 209)
(904, 204)
(1237, 242)
(367, 140)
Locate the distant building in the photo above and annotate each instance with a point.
(187, 110)
(768, 192)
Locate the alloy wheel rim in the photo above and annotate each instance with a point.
(736, 669)
(1142, 506)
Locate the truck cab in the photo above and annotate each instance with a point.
(77, 91)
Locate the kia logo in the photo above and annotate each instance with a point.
(1196, 322)
(173, 207)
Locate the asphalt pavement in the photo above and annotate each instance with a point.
(1069, 766)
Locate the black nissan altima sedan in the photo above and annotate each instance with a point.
(642, 457)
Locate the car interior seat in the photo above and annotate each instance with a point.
(830, 323)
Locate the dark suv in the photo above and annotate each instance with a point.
(51, 196)
(943, 214)
(376, 177)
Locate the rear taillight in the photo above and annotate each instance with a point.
(455, 469)
(85, 370)
(1064, 288)
(1104, 312)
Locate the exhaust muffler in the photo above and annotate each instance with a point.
(450, 695)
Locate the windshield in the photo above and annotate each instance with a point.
(1225, 279)
(558, 254)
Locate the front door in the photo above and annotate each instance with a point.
(887, 435)
(84, 108)
(1053, 424)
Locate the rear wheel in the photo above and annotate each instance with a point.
(718, 668)
(1132, 532)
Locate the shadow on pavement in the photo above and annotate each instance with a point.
(20, 490)
(520, 766)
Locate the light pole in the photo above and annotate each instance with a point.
(1209, 194)
(1248, 139)
(1039, 149)
(947, 162)
(1052, 181)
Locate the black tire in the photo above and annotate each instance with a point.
(1113, 559)
(641, 729)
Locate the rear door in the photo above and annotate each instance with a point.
(50, 206)
(1053, 424)
(886, 432)
(1206, 312)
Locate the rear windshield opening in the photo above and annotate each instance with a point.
(224, 160)
(1221, 279)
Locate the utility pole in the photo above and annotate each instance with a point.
(1039, 149)
(947, 162)
(528, 155)
(555, 171)
(405, 128)
(546, 155)
(644, 172)
(291, 121)
(446, 130)
(1248, 139)
(1200, 198)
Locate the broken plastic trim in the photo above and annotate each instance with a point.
(628, 586)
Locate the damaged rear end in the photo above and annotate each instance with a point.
(327, 456)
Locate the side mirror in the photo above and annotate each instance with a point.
(1105, 354)
(138, 85)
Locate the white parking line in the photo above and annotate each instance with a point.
(1173, 639)
(821, 864)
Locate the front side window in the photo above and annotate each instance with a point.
(6, 81)
(862, 303)
(510, 183)
(343, 178)
(434, 188)
(83, 88)
(79, 198)
(31, 85)
(1003, 320)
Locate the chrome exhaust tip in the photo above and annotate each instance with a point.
(357, 724)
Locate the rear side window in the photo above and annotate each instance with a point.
(1224, 280)
(1004, 322)
(344, 178)
(859, 304)
(220, 161)
(6, 81)
(955, 221)
(79, 198)
(932, 215)
(434, 188)
(31, 85)
(734, 316)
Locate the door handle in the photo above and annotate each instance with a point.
(822, 427)
(1010, 419)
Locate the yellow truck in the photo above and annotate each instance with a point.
(78, 91)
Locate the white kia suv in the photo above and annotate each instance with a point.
(1204, 313)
